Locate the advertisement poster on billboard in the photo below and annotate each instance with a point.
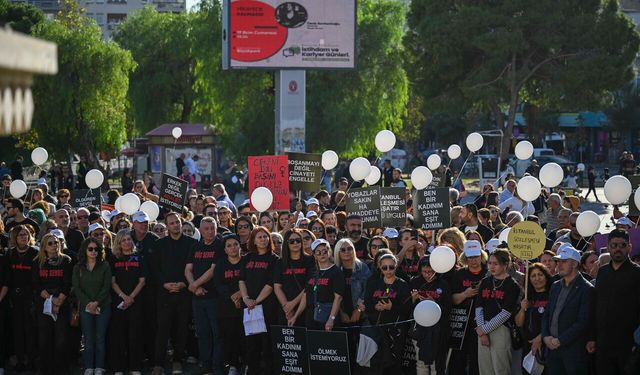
(278, 34)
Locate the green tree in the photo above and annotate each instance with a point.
(494, 54)
(20, 17)
(82, 108)
(160, 88)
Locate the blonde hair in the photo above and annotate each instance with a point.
(336, 251)
(42, 253)
(454, 237)
(117, 250)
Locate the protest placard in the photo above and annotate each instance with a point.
(85, 198)
(431, 208)
(173, 191)
(305, 171)
(366, 203)
(289, 350)
(328, 352)
(393, 206)
(271, 172)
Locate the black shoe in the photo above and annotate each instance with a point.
(206, 371)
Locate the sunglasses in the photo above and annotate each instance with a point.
(292, 241)
(244, 226)
(50, 243)
(376, 247)
(346, 249)
(307, 238)
(277, 242)
(92, 249)
(321, 252)
(388, 268)
(64, 196)
(159, 230)
(618, 245)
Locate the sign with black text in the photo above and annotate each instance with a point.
(328, 352)
(305, 171)
(409, 357)
(289, 350)
(393, 206)
(366, 203)
(458, 321)
(431, 208)
(173, 192)
(85, 198)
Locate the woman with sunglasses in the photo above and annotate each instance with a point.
(496, 219)
(225, 218)
(226, 276)
(324, 290)
(244, 228)
(318, 229)
(307, 239)
(63, 198)
(356, 273)
(92, 286)
(19, 280)
(373, 246)
(388, 300)
(431, 343)
(160, 230)
(292, 272)
(256, 287)
(52, 274)
(129, 272)
(529, 316)
(495, 304)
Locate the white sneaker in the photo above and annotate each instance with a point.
(118, 373)
(88, 371)
(99, 371)
(232, 371)
(192, 360)
(136, 373)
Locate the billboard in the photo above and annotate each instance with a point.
(300, 34)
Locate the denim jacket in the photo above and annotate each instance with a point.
(359, 277)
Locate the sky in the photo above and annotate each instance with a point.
(191, 3)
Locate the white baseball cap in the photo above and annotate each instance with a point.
(491, 245)
(472, 248)
(624, 221)
(95, 226)
(567, 252)
(311, 214)
(140, 217)
(318, 242)
(390, 233)
(313, 201)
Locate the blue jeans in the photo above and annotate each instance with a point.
(94, 330)
(208, 332)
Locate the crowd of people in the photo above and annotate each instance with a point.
(129, 294)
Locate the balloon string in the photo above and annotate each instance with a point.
(461, 169)
(345, 193)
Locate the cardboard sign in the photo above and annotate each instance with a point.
(305, 171)
(526, 240)
(431, 208)
(85, 198)
(366, 203)
(271, 172)
(458, 321)
(393, 206)
(409, 357)
(289, 350)
(328, 352)
(173, 192)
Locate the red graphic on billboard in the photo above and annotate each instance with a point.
(255, 33)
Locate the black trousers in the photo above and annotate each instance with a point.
(24, 327)
(258, 354)
(3, 333)
(467, 357)
(126, 351)
(148, 297)
(232, 333)
(173, 317)
(611, 363)
(53, 343)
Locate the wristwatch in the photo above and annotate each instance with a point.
(332, 317)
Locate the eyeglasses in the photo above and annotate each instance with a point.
(388, 268)
(50, 243)
(244, 226)
(621, 245)
(277, 242)
(347, 249)
(376, 247)
(321, 252)
(307, 238)
(64, 196)
(92, 249)
(292, 241)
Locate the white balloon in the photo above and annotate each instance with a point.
(529, 188)
(588, 223)
(118, 203)
(151, 209)
(434, 161)
(18, 188)
(617, 189)
(524, 150)
(130, 203)
(39, 156)
(359, 169)
(329, 160)
(454, 152)
(442, 259)
(474, 141)
(636, 197)
(551, 175)
(385, 140)
(94, 179)
(421, 177)
(374, 176)
(176, 132)
(261, 199)
(504, 235)
(427, 313)
(580, 167)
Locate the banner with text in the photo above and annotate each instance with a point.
(85, 198)
(173, 192)
(305, 171)
(393, 206)
(458, 321)
(431, 208)
(328, 352)
(366, 203)
(271, 172)
(289, 350)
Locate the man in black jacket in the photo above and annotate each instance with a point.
(469, 219)
(617, 305)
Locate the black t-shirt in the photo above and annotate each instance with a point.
(145, 247)
(361, 248)
(295, 276)
(408, 268)
(398, 293)
(439, 291)
(170, 258)
(347, 303)
(496, 295)
(127, 271)
(202, 257)
(74, 239)
(20, 272)
(226, 276)
(323, 284)
(26, 221)
(54, 275)
(533, 316)
(258, 272)
(4, 268)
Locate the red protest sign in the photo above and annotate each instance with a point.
(271, 172)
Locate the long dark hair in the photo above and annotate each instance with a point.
(82, 253)
(285, 254)
(251, 245)
(545, 272)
